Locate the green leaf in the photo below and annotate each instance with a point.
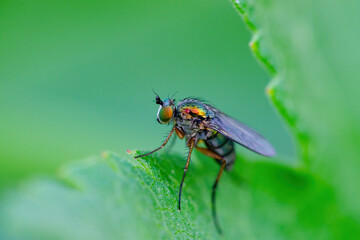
(124, 198)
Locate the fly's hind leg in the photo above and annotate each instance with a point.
(214, 155)
(162, 145)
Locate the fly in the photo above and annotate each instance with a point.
(197, 121)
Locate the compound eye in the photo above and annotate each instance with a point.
(165, 114)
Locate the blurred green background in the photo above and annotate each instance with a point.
(77, 77)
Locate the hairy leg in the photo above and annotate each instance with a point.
(162, 145)
(191, 145)
(214, 155)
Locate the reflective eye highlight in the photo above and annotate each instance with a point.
(165, 114)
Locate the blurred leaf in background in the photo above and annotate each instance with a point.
(76, 76)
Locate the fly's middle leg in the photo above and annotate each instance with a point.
(191, 144)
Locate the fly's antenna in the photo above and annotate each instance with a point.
(154, 92)
(157, 98)
(174, 95)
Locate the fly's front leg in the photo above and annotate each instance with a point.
(179, 133)
(162, 145)
(191, 145)
(211, 154)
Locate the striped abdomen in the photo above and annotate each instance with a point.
(223, 146)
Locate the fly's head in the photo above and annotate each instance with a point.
(166, 110)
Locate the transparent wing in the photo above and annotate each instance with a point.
(240, 133)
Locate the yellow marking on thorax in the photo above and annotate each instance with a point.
(194, 110)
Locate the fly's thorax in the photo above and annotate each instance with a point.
(191, 108)
(193, 127)
(188, 126)
(191, 116)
